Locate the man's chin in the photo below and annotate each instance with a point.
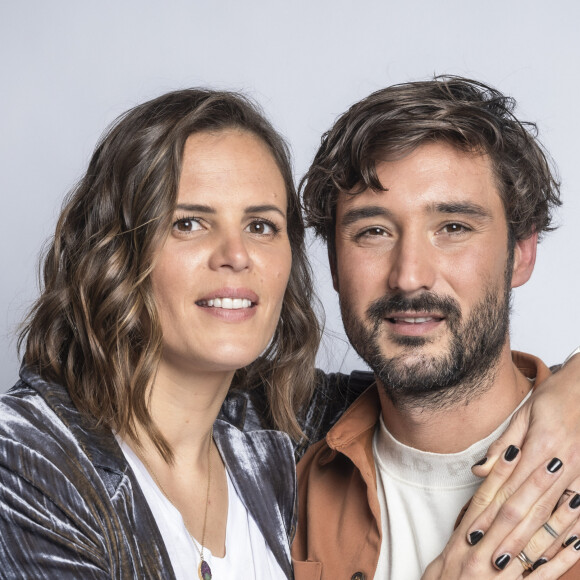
(410, 341)
(414, 375)
(395, 345)
(414, 360)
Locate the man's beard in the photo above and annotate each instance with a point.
(465, 370)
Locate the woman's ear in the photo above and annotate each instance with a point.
(524, 260)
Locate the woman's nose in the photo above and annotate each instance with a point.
(231, 252)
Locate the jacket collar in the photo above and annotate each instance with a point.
(261, 467)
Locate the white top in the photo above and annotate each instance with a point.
(247, 554)
(420, 496)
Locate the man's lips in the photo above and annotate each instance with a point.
(414, 323)
(414, 318)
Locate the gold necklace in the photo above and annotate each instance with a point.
(203, 570)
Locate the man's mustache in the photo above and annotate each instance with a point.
(386, 306)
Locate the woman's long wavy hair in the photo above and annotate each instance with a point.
(95, 328)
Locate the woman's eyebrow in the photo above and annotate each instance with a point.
(195, 208)
(200, 208)
(263, 208)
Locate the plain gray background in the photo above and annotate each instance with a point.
(70, 67)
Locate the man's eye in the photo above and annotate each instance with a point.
(188, 224)
(372, 232)
(455, 228)
(263, 227)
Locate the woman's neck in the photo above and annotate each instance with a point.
(184, 407)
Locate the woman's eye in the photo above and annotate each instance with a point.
(187, 225)
(262, 227)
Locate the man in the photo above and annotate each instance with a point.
(431, 197)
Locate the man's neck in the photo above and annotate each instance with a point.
(457, 427)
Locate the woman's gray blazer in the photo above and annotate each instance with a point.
(70, 506)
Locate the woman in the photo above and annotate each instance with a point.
(176, 272)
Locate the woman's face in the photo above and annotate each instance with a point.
(219, 278)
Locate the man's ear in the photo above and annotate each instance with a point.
(332, 263)
(524, 260)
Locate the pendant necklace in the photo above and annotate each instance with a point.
(203, 570)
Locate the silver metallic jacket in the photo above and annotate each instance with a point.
(70, 506)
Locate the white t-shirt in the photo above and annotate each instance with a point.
(247, 554)
(420, 496)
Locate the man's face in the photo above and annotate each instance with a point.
(424, 272)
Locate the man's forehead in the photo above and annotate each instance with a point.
(437, 176)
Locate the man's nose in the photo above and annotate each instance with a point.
(413, 266)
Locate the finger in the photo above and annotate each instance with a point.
(561, 563)
(530, 503)
(549, 538)
(525, 512)
(513, 435)
(487, 493)
(514, 482)
(572, 489)
(572, 535)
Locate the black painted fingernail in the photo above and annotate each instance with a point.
(577, 545)
(480, 462)
(539, 563)
(504, 559)
(575, 501)
(554, 465)
(569, 541)
(474, 537)
(510, 454)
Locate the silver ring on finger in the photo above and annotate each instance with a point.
(551, 531)
(526, 562)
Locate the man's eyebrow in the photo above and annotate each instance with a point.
(462, 207)
(361, 213)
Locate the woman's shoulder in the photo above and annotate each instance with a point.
(42, 434)
(36, 411)
(26, 416)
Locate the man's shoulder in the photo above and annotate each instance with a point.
(530, 366)
(350, 437)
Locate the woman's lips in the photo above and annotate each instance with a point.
(226, 303)
(231, 304)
